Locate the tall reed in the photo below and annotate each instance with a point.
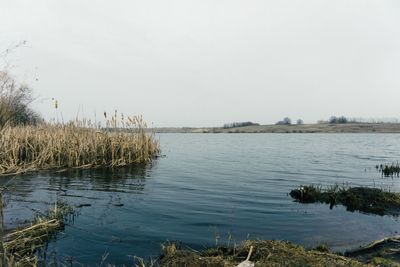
(79, 144)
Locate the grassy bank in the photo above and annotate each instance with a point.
(26, 148)
(264, 253)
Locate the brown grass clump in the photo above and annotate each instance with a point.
(78, 144)
(266, 253)
(20, 247)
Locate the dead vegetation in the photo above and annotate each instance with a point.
(20, 247)
(79, 144)
(265, 253)
(27, 143)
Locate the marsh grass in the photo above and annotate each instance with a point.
(80, 144)
(364, 199)
(20, 247)
(389, 170)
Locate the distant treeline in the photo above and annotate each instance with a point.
(332, 120)
(288, 121)
(343, 119)
(239, 124)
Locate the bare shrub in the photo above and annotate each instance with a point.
(15, 100)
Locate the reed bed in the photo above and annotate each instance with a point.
(78, 144)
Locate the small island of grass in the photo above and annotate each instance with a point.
(364, 199)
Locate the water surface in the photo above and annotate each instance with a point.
(212, 188)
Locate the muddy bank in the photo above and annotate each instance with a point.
(384, 252)
(22, 246)
(364, 199)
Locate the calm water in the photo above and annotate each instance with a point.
(212, 188)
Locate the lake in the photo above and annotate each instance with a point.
(211, 189)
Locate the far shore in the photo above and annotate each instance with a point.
(294, 128)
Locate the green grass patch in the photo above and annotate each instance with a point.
(364, 199)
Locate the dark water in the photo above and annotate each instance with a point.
(212, 188)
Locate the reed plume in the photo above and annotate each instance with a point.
(78, 144)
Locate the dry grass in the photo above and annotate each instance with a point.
(19, 247)
(79, 144)
(266, 253)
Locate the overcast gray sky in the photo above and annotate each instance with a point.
(208, 62)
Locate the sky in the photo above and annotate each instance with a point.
(209, 62)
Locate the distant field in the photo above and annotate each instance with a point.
(305, 128)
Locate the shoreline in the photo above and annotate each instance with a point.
(389, 128)
(282, 253)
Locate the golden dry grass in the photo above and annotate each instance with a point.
(79, 144)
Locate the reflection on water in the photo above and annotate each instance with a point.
(26, 195)
(211, 188)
